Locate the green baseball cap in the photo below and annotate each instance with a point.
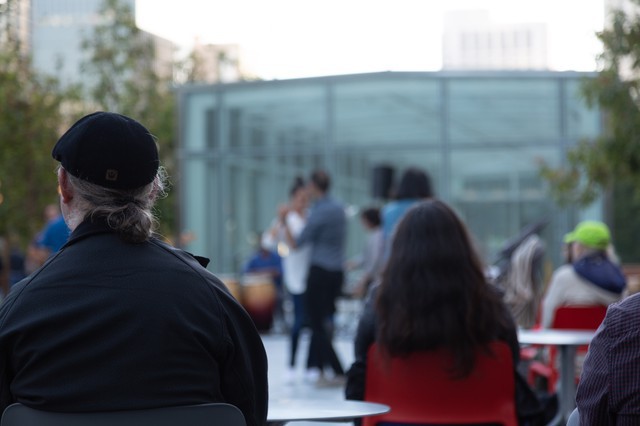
(590, 233)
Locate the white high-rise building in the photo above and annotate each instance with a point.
(471, 41)
(15, 23)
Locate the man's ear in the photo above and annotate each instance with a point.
(65, 188)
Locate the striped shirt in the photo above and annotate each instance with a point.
(609, 389)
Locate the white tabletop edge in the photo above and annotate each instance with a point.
(283, 410)
(555, 337)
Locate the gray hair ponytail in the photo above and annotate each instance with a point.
(129, 213)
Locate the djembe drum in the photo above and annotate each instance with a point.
(232, 284)
(259, 299)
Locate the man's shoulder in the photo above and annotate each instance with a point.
(631, 302)
(10, 299)
(326, 208)
(621, 328)
(330, 202)
(196, 261)
(338, 206)
(627, 310)
(195, 268)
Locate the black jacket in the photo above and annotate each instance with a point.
(108, 325)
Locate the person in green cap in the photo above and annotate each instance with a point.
(591, 279)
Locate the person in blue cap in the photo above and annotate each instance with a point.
(117, 319)
(591, 279)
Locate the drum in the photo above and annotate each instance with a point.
(232, 283)
(259, 298)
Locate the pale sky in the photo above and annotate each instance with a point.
(303, 38)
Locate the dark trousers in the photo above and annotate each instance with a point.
(299, 318)
(323, 287)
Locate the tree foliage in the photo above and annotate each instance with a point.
(614, 157)
(610, 164)
(122, 75)
(32, 110)
(191, 69)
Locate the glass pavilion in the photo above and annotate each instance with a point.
(481, 136)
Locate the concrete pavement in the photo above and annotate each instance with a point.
(280, 387)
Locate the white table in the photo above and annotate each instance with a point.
(566, 341)
(292, 409)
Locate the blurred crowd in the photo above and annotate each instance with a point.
(421, 284)
(17, 263)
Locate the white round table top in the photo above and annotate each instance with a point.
(555, 337)
(290, 409)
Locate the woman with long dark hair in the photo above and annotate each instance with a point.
(433, 294)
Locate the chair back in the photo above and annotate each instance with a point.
(579, 317)
(573, 317)
(419, 388)
(215, 414)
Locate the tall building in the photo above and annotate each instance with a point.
(471, 41)
(14, 23)
(59, 28)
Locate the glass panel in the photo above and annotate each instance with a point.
(274, 131)
(196, 218)
(499, 191)
(267, 116)
(489, 111)
(257, 185)
(582, 121)
(388, 112)
(199, 125)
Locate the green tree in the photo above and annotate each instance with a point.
(32, 109)
(610, 164)
(191, 68)
(122, 75)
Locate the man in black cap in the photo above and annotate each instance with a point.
(117, 319)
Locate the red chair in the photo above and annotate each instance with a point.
(419, 388)
(579, 317)
(575, 317)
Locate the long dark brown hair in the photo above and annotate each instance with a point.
(433, 292)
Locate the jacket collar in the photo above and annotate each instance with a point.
(89, 227)
(96, 226)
